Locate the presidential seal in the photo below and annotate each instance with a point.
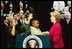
(32, 41)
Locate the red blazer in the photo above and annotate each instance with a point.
(56, 36)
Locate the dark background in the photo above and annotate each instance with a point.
(42, 10)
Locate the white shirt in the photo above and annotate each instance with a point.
(22, 21)
(35, 31)
(68, 21)
(66, 9)
(59, 5)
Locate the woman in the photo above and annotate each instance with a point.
(8, 33)
(55, 31)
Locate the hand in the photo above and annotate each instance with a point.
(30, 16)
(26, 21)
(46, 32)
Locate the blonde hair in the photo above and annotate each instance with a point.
(56, 14)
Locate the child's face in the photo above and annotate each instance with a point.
(36, 23)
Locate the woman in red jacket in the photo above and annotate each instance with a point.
(55, 32)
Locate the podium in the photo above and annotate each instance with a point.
(44, 38)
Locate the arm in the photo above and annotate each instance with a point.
(27, 20)
(32, 30)
(46, 32)
(13, 31)
(13, 28)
